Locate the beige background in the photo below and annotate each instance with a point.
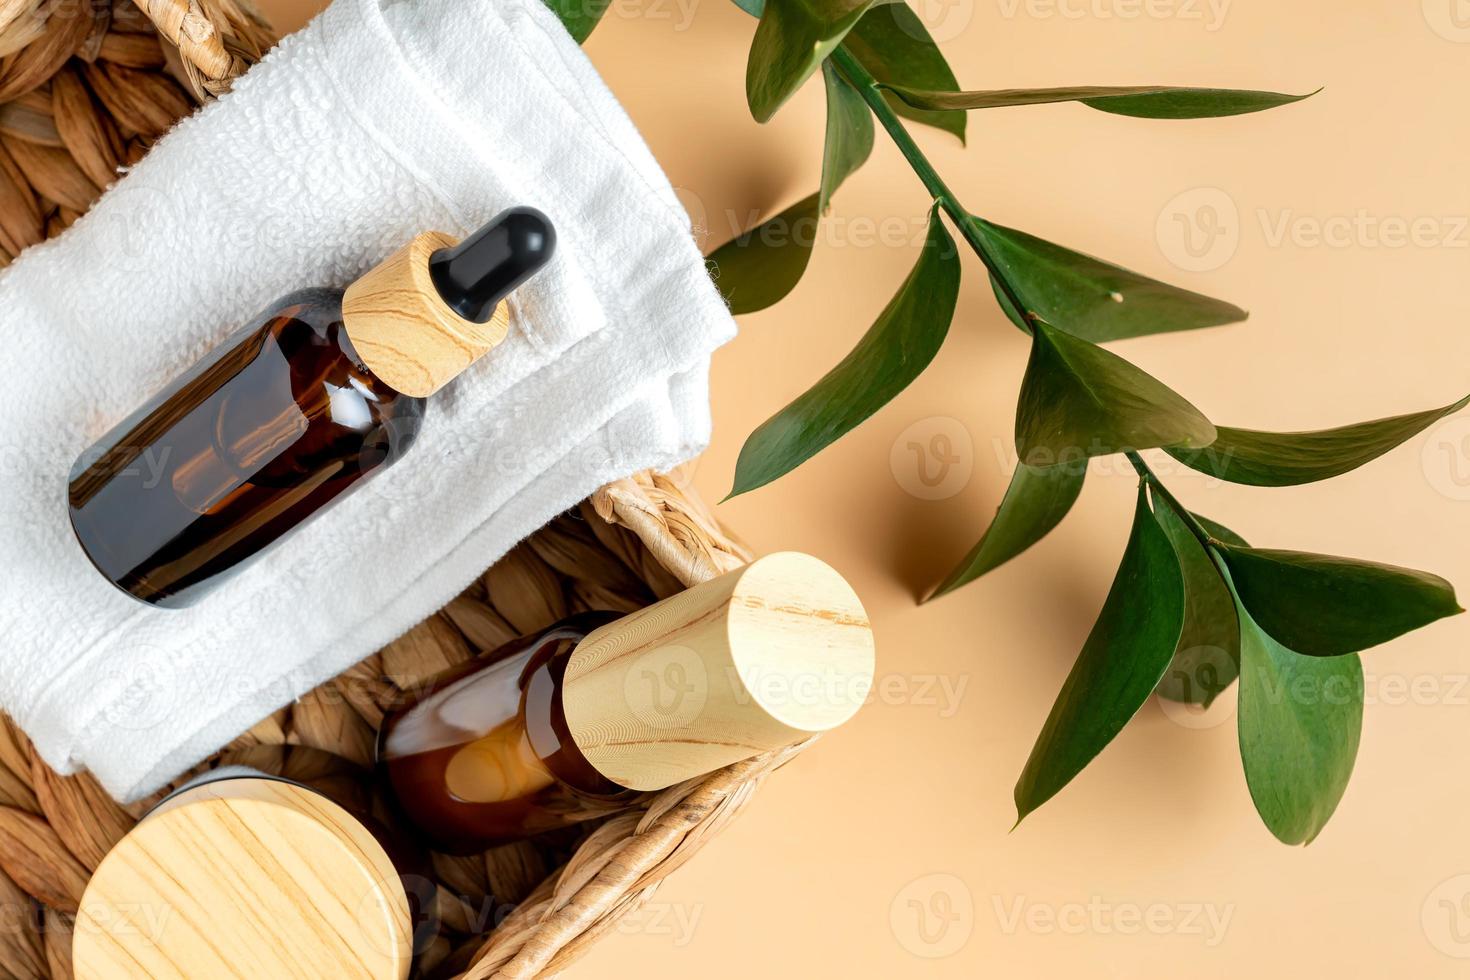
(1153, 863)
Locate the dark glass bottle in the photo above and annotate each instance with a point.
(322, 390)
(256, 439)
(573, 722)
(484, 755)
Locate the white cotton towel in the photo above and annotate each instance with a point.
(374, 123)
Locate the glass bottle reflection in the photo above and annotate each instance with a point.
(484, 755)
(271, 426)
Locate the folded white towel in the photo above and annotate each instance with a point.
(374, 123)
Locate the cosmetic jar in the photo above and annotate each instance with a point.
(240, 873)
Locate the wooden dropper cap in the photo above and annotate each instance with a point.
(432, 308)
(755, 659)
(245, 876)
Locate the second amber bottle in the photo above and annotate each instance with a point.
(572, 723)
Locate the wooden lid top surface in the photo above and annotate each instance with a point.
(246, 878)
(751, 661)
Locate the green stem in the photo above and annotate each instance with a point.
(1195, 527)
(867, 86)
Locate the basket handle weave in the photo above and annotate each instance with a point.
(218, 41)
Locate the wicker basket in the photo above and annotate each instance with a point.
(83, 92)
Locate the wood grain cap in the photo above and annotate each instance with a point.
(753, 660)
(404, 332)
(245, 878)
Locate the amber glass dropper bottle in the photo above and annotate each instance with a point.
(322, 390)
(573, 722)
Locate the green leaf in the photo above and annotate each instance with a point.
(1120, 664)
(579, 17)
(1207, 657)
(1286, 459)
(791, 41)
(898, 346)
(1090, 298)
(1145, 101)
(1035, 502)
(1299, 721)
(1193, 103)
(893, 44)
(849, 134)
(1079, 400)
(1323, 606)
(761, 266)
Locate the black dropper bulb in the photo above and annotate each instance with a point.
(475, 275)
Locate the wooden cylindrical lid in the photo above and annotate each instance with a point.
(245, 877)
(753, 660)
(404, 331)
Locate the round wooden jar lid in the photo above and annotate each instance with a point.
(245, 877)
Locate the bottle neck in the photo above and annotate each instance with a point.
(499, 723)
(484, 755)
(543, 712)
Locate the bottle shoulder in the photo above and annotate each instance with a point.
(305, 332)
(316, 303)
(545, 716)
